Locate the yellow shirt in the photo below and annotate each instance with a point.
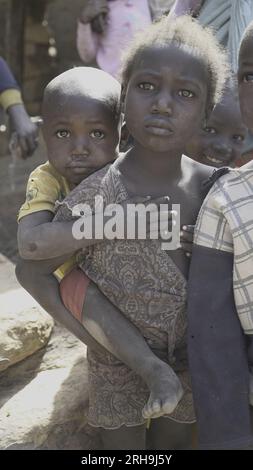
(46, 186)
(10, 97)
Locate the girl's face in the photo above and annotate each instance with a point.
(165, 98)
(245, 81)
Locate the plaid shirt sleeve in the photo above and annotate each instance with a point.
(212, 229)
(225, 223)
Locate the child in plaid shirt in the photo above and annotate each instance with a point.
(221, 285)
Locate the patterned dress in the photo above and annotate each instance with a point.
(144, 283)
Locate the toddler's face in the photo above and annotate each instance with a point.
(220, 142)
(81, 136)
(165, 98)
(245, 80)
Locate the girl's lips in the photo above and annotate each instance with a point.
(159, 126)
(159, 131)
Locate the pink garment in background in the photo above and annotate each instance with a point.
(125, 18)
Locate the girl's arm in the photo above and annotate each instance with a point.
(26, 131)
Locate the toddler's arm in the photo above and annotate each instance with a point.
(39, 238)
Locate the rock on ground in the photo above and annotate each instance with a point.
(44, 399)
(24, 326)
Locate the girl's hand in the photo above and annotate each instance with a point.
(186, 239)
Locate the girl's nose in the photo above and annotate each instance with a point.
(163, 104)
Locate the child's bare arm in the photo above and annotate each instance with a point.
(39, 238)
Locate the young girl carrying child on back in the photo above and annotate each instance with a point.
(81, 128)
(172, 77)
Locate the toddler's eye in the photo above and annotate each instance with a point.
(186, 93)
(238, 138)
(248, 77)
(146, 86)
(63, 134)
(210, 130)
(97, 134)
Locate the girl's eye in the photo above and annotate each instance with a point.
(186, 93)
(248, 77)
(238, 138)
(63, 134)
(210, 130)
(146, 86)
(97, 134)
